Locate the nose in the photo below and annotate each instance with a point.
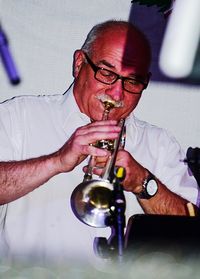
(116, 91)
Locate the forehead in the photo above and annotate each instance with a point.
(123, 49)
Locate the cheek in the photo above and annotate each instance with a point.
(131, 102)
(92, 106)
(95, 109)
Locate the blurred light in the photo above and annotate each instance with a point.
(181, 39)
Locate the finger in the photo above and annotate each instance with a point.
(93, 137)
(102, 159)
(96, 170)
(98, 128)
(108, 125)
(94, 151)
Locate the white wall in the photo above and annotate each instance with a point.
(43, 36)
(175, 107)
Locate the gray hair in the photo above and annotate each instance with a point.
(98, 29)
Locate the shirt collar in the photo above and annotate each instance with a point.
(71, 112)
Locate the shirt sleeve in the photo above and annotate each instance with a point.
(10, 132)
(173, 171)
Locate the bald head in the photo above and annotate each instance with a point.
(135, 42)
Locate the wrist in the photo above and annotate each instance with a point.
(139, 182)
(148, 186)
(54, 164)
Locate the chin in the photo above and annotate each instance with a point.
(114, 116)
(96, 117)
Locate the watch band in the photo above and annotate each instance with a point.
(148, 191)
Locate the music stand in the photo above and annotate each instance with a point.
(175, 235)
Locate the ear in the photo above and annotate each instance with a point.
(78, 62)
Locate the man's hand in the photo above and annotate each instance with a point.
(79, 146)
(135, 173)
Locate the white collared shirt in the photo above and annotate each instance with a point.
(41, 225)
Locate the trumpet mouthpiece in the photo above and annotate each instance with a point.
(108, 102)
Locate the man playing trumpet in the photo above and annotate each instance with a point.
(50, 138)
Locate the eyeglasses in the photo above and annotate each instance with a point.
(131, 85)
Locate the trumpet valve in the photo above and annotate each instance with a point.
(105, 144)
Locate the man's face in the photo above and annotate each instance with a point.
(111, 52)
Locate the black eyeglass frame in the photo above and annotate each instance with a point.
(97, 68)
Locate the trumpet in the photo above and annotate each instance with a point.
(91, 199)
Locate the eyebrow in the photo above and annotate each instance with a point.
(132, 75)
(106, 63)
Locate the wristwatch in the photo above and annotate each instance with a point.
(149, 187)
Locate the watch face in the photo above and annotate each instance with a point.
(152, 187)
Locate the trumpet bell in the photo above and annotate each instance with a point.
(91, 202)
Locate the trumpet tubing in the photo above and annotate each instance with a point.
(91, 199)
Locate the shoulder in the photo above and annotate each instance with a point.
(30, 103)
(144, 126)
(151, 133)
(31, 100)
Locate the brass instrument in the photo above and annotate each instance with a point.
(91, 199)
